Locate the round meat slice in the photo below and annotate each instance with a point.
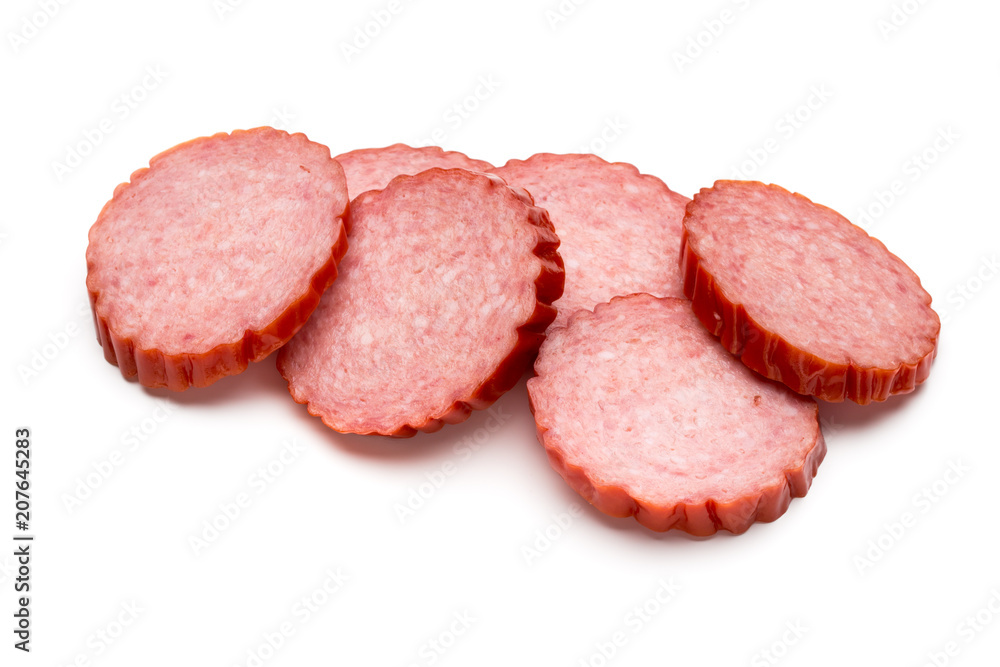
(215, 255)
(616, 226)
(645, 415)
(373, 168)
(805, 297)
(441, 305)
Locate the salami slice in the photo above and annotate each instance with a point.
(645, 415)
(373, 168)
(215, 255)
(616, 226)
(805, 297)
(442, 303)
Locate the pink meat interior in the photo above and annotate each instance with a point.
(218, 237)
(373, 168)
(440, 274)
(640, 396)
(805, 273)
(620, 231)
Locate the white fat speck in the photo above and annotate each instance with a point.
(606, 355)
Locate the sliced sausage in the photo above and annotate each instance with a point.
(373, 168)
(645, 415)
(805, 297)
(620, 229)
(215, 255)
(442, 303)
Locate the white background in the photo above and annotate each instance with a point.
(878, 98)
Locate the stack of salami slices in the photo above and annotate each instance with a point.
(679, 345)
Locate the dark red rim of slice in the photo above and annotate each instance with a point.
(154, 368)
(548, 288)
(774, 357)
(700, 519)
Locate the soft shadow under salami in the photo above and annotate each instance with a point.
(846, 417)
